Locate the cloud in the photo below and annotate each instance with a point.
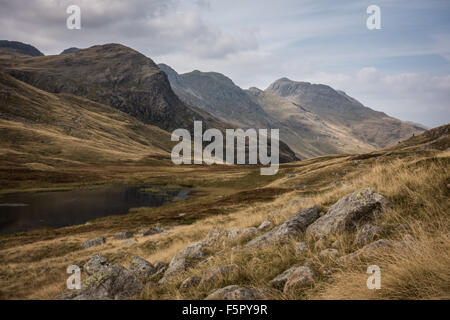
(155, 27)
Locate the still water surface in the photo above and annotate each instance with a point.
(30, 211)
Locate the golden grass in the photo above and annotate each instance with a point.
(417, 186)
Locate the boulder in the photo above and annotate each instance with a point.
(353, 210)
(94, 242)
(183, 259)
(123, 235)
(366, 234)
(96, 263)
(291, 228)
(300, 278)
(301, 248)
(213, 275)
(279, 281)
(235, 292)
(141, 268)
(112, 282)
(107, 281)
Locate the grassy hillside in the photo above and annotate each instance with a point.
(414, 175)
(45, 134)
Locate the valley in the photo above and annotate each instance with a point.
(101, 118)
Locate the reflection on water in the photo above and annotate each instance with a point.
(30, 211)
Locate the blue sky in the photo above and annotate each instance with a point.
(402, 69)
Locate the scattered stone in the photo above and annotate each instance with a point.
(94, 242)
(301, 248)
(301, 277)
(350, 211)
(190, 282)
(151, 231)
(279, 281)
(264, 225)
(330, 254)
(218, 294)
(213, 275)
(367, 234)
(291, 228)
(235, 292)
(141, 268)
(123, 235)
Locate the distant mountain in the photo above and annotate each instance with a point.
(313, 119)
(16, 48)
(218, 95)
(70, 50)
(338, 109)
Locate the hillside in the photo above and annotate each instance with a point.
(45, 131)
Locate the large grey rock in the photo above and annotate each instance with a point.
(94, 242)
(350, 211)
(112, 282)
(293, 227)
(213, 275)
(367, 234)
(96, 263)
(141, 268)
(280, 280)
(300, 278)
(107, 281)
(183, 259)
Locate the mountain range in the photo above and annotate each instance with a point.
(313, 119)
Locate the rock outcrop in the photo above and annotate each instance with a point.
(94, 242)
(353, 210)
(293, 227)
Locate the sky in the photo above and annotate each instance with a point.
(402, 69)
